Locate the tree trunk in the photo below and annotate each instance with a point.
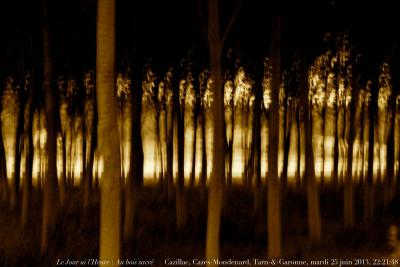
(218, 164)
(159, 144)
(286, 146)
(389, 181)
(274, 200)
(28, 141)
(49, 198)
(110, 198)
(348, 201)
(3, 172)
(169, 132)
(181, 215)
(256, 147)
(134, 180)
(89, 149)
(195, 124)
(335, 174)
(314, 217)
(203, 173)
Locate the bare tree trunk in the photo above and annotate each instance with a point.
(135, 177)
(28, 143)
(335, 174)
(49, 198)
(286, 145)
(159, 144)
(195, 124)
(230, 150)
(203, 173)
(218, 166)
(170, 151)
(348, 201)
(274, 199)
(389, 181)
(181, 215)
(256, 148)
(314, 217)
(3, 173)
(89, 149)
(110, 201)
(299, 140)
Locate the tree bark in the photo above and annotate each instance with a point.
(89, 150)
(218, 162)
(348, 201)
(273, 184)
(314, 217)
(28, 143)
(110, 196)
(181, 215)
(49, 198)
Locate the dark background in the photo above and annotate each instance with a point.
(165, 30)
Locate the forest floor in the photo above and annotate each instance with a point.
(243, 233)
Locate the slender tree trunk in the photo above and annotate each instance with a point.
(89, 150)
(274, 199)
(324, 118)
(257, 149)
(49, 194)
(218, 167)
(230, 149)
(193, 171)
(369, 190)
(159, 145)
(203, 173)
(3, 173)
(314, 217)
(335, 174)
(28, 140)
(389, 181)
(135, 177)
(64, 126)
(110, 198)
(181, 215)
(170, 152)
(298, 171)
(286, 147)
(348, 201)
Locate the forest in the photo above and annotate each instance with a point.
(179, 138)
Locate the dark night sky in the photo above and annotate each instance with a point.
(165, 30)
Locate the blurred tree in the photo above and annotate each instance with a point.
(274, 201)
(110, 198)
(27, 150)
(314, 217)
(89, 136)
(49, 191)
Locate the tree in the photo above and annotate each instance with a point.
(205, 102)
(274, 202)
(28, 150)
(216, 42)
(314, 217)
(135, 176)
(369, 182)
(89, 137)
(49, 198)
(110, 195)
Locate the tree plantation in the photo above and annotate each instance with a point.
(163, 134)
